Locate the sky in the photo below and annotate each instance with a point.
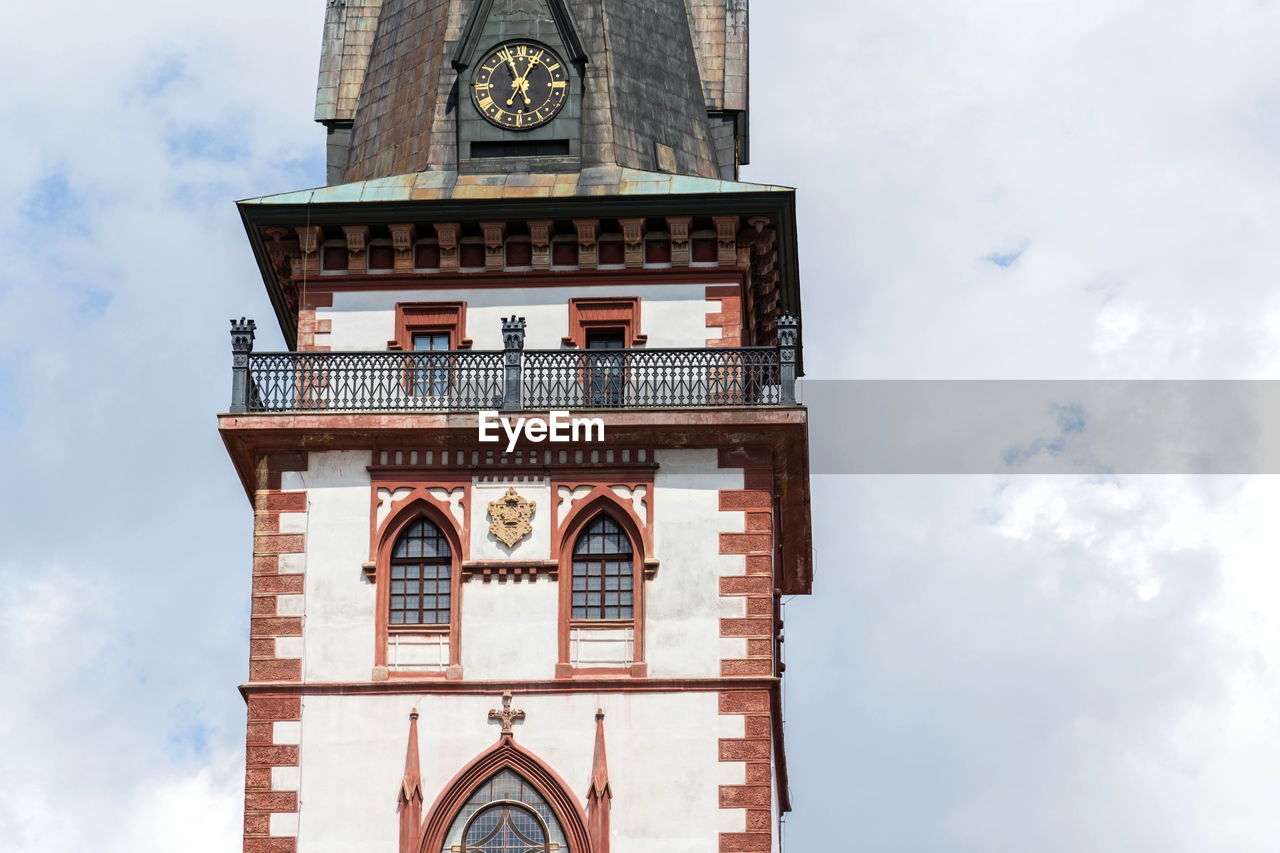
(1000, 189)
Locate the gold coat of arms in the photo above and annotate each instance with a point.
(510, 516)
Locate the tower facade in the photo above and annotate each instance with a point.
(531, 480)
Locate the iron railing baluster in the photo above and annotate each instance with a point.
(546, 379)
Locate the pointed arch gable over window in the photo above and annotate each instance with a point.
(604, 563)
(417, 574)
(507, 783)
(577, 502)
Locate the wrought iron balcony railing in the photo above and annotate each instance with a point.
(511, 379)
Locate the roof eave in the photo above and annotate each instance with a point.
(776, 203)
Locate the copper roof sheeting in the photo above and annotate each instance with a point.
(653, 71)
(609, 180)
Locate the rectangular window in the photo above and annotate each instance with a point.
(604, 373)
(431, 374)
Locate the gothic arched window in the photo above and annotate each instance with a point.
(506, 815)
(603, 572)
(421, 565)
(506, 828)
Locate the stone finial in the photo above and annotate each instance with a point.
(600, 794)
(507, 716)
(410, 797)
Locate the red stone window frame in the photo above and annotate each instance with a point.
(506, 755)
(384, 541)
(422, 318)
(602, 499)
(604, 314)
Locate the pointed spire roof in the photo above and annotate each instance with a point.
(470, 41)
(667, 81)
(411, 785)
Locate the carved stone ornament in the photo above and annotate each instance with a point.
(506, 716)
(510, 516)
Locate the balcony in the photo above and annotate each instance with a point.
(513, 378)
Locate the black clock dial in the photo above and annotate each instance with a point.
(520, 86)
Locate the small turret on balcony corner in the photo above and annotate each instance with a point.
(243, 332)
(513, 358)
(788, 340)
(513, 332)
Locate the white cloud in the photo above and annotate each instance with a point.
(124, 586)
(1129, 145)
(199, 812)
(1053, 665)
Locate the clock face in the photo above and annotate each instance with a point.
(520, 85)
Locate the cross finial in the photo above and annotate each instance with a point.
(506, 715)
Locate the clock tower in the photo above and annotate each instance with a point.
(531, 479)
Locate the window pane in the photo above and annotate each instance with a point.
(421, 571)
(602, 572)
(433, 342)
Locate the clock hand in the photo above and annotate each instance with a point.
(521, 87)
(515, 75)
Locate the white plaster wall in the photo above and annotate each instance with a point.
(338, 630)
(509, 629)
(683, 604)
(485, 546)
(662, 749)
(672, 315)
